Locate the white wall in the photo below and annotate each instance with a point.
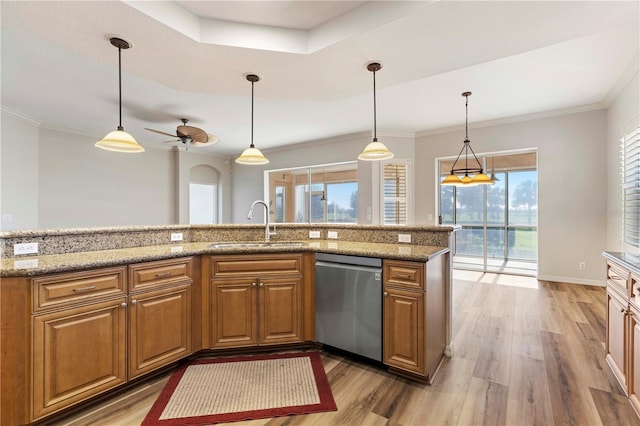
(248, 180)
(82, 186)
(622, 116)
(56, 179)
(18, 173)
(571, 191)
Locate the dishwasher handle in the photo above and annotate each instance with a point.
(348, 267)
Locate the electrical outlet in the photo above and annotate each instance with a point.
(333, 235)
(176, 236)
(25, 248)
(314, 234)
(25, 263)
(582, 265)
(404, 238)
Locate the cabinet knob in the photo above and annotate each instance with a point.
(123, 305)
(134, 301)
(261, 284)
(622, 310)
(253, 284)
(385, 293)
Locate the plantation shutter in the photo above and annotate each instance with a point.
(395, 195)
(630, 149)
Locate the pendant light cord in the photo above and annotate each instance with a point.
(120, 86)
(375, 136)
(252, 146)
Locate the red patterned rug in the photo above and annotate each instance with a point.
(243, 388)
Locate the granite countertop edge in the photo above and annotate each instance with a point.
(27, 266)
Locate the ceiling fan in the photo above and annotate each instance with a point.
(189, 135)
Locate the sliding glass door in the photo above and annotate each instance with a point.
(498, 222)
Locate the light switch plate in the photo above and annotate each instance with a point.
(333, 235)
(176, 236)
(314, 234)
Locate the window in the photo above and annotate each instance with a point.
(630, 152)
(202, 203)
(315, 194)
(395, 192)
(203, 194)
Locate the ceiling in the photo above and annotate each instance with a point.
(189, 59)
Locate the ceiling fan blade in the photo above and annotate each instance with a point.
(212, 140)
(160, 132)
(194, 133)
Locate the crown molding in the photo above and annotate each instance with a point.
(514, 119)
(20, 116)
(629, 73)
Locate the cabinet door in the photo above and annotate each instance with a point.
(634, 359)
(617, 337)
(404, 330)
(280, 310)
(233, 312)
(77, 353)
(159, 328)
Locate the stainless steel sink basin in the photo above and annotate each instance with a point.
(244, 245)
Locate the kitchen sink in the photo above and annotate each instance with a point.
(244, 245)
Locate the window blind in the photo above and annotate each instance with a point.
(630, 150)
(395, 193)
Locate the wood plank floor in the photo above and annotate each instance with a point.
(527, 352)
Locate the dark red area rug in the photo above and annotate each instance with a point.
(243, 388)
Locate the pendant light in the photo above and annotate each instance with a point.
(493, 171)
(252, 155)
(480, 178)
(375, 150)
(119, 140)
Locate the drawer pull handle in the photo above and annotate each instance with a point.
(91, 287)
(404, 276)
(615, 277)
(163, 275)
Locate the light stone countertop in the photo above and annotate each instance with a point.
(24, 266)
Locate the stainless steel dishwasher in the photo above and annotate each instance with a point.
(349, 303)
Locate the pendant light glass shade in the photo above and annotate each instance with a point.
(375, 150)
(119, 140)
(252, 155)
(479, 177)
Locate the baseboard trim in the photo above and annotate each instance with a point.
(572, 280)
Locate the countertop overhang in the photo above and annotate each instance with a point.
(25, 266)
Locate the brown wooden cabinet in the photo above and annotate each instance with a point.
(159, 314)
(616, 346)
(622, 346)
(78, 337)
(414, 317)
(256, 300)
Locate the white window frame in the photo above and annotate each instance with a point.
(409, 195)
(630, 190)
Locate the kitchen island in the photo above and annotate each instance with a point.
(159, 302)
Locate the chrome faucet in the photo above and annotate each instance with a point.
(267, 233)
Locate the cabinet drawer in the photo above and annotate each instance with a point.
(229, 266)
(403, 274)
(61, 290)
(618, 278)
(162, 272)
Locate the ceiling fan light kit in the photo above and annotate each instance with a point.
(119, 140)
(375, 150)
(252, 155)
(480, 177)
